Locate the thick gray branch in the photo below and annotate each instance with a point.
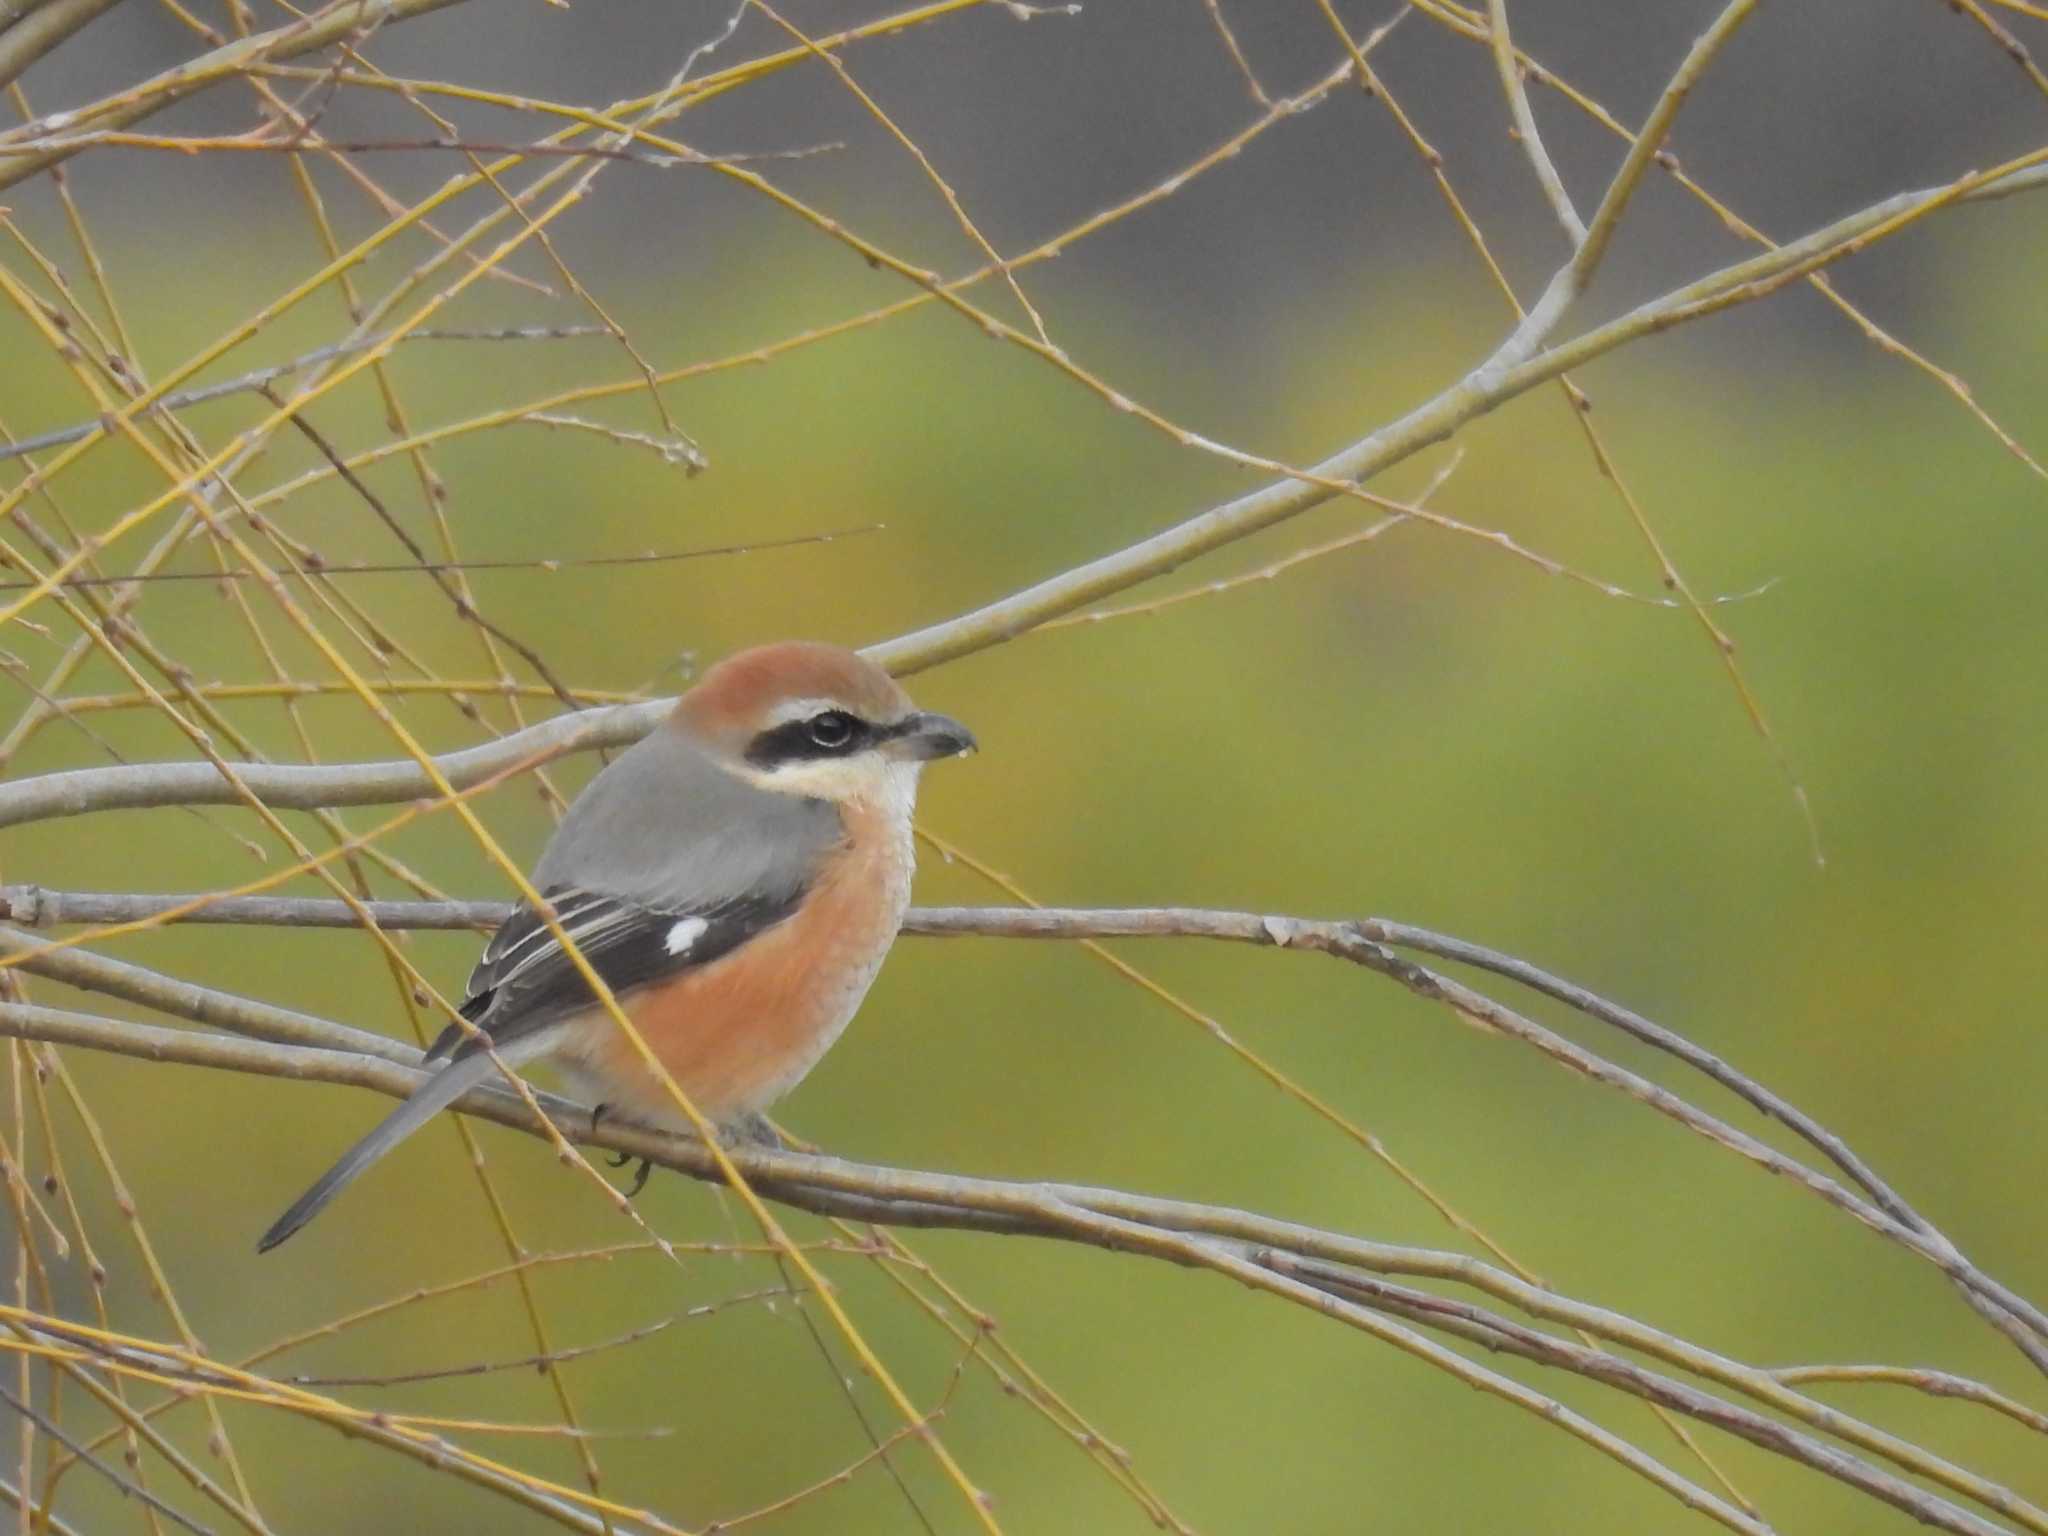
(291, 786)
(137, 984)
(1362, 942)
(1513, 367)
(1285, 1257)
(40, 29)
(34, 907)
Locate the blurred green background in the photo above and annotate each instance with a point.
(1423, 728)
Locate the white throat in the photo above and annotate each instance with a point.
(886, 785)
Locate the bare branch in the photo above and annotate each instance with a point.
(324, 570)
(1643, 152)
(12, 1496)
(1513, 368)
(2013, 1315)
(307, 35)
(1498, 1333)
(1525, 126)
(180, 399)
(248, 55)
(552, 1358)
(129, 1487)
(1363, 942)
(1933, 1383)
(1329, 1272)
(203, 1005)
(308, 787)
(34, 907)
(1508, 372)
(213, 144)
(29, 32)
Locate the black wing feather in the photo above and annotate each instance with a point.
(525, 981)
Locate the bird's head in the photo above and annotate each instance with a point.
(820, 721)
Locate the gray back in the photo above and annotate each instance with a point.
(665, 826)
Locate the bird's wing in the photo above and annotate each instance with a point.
(665, 862)
(526, 981)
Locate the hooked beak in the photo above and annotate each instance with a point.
(921, 737)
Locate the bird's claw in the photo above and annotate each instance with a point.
(620, 1159)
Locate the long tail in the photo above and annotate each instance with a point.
(435, 1094)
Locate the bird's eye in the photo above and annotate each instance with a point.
(831, 730)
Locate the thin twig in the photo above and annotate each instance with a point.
(245, 143)
(1525, 127)
(130, 1488)
(463, 607)
(1933, 1383)
(1237, 58)
(180, 399)
(542, 1362)
(54, 1524)
(916, 152)
(290, 41)
(1642, 153)
(322, 569)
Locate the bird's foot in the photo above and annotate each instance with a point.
(639, 1176)
(620, 1159)
(753, 1129)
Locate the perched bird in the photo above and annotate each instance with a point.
(736, 879)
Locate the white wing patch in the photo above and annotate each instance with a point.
(686, 932)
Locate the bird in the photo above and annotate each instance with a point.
(736, 877)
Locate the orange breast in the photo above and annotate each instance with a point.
(739, 1033)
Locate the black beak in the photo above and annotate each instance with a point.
(922, 737)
